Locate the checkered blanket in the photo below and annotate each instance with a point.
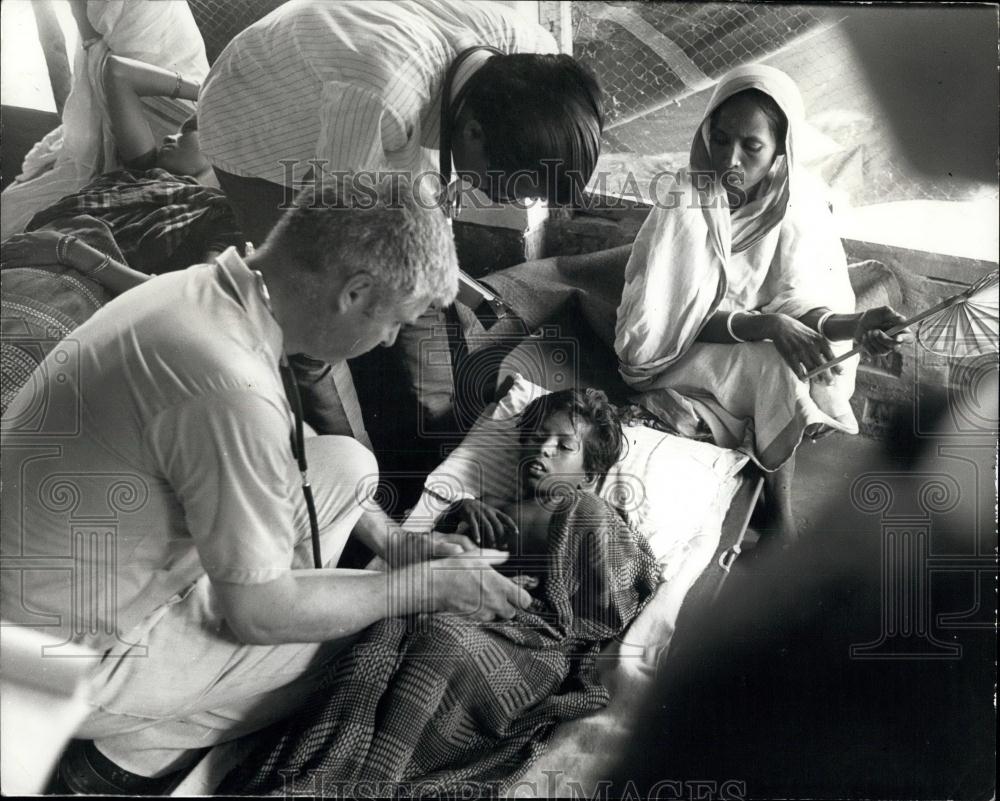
(159, 220)
(439, 704)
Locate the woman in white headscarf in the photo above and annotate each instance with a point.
(737, 286)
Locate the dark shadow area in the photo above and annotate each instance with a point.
(21, 128)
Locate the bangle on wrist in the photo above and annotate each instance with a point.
(62, 249)
(819, 324)
(177, 86)
(101, 266)
(729, 326)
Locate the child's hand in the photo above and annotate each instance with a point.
(487, 526)
(528, 582)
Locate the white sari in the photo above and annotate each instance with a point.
(777, 254)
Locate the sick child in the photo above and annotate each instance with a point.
(568, 441)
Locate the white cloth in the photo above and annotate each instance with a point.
(355, 83)
(164, 416)
(778, 254)
(182, 680)
(159, 32)
(149, 456)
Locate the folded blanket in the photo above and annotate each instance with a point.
(440, 704)
(160, 221)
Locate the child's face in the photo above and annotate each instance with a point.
(552, 457)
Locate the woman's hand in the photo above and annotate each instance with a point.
(801, 347)
(35, 249)
(487, 526)
(870, 332)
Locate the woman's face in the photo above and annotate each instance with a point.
(742, 147)
(181, 154)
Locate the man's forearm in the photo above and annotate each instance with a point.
(321, 605)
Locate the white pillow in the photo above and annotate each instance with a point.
(672, 489)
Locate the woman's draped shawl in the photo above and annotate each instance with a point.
(441, 704)
(779, 253)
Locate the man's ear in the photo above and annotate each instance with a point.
(356, 293)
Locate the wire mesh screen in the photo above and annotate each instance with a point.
(220, 20)
(658, 61)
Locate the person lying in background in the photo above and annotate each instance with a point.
(443, 704)
(164, 208)
(51, 250)
(50, 283)
(126, 81)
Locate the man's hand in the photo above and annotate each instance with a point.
(871, 335)
(487, 526)
(407, 547)
(801, 347)
(468, 585)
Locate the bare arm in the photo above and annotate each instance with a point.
(798, 340)
(321, 605)
(46, 248)
(125, 81)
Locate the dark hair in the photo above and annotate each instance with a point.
(776, 119)
(602, 446)
(541, 113)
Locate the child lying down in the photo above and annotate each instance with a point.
(439, 703)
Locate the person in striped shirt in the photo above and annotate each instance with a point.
(354, 86)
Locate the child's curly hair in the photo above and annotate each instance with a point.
(602, 446)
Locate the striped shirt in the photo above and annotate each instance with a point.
(355, 84)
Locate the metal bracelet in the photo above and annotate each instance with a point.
(62, 249)
(729, 325)
(819, 324)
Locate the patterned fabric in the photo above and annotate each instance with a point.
(161, 221)
(438, 703)
(42, 304)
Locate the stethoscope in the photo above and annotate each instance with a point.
(453, 201)
(452, 204)
(298, 434)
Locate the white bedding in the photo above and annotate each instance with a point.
(677, 491)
